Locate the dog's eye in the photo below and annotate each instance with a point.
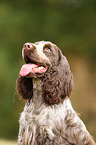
(47, 49)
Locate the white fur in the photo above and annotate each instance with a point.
(38, 118)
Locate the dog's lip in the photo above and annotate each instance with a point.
(29, 60)
(26, 69)
(31, 65)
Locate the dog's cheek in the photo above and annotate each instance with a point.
(24, 87)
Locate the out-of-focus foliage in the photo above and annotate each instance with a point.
(71, 24)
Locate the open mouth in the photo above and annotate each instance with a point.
(31, 67)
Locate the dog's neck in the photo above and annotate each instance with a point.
(37, 91)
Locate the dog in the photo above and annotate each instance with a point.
(46, 82)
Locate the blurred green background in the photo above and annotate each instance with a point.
(71, 24)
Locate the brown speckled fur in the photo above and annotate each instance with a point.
(48, 117)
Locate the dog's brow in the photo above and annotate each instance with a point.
(36, 43)
(47, 45)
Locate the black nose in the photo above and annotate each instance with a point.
(29, 46)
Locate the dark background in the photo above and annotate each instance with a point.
(71, 24)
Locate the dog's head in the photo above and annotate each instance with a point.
(44, 60)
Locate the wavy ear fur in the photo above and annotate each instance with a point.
(58, 82)
(67, 77)
(24, 87)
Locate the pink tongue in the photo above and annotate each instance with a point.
(26, 69)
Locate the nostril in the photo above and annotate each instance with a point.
(28, 46)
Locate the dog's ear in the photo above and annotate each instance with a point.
(66, 76)
(68, 85)
(24, 87)
(58, 81)
(60, 55)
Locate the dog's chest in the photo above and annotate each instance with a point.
(42, 122)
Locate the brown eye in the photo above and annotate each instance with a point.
(47, 49)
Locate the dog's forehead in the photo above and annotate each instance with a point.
(42, 43)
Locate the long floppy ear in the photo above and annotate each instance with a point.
(66, 77)
(58, 82)
(24, 87)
